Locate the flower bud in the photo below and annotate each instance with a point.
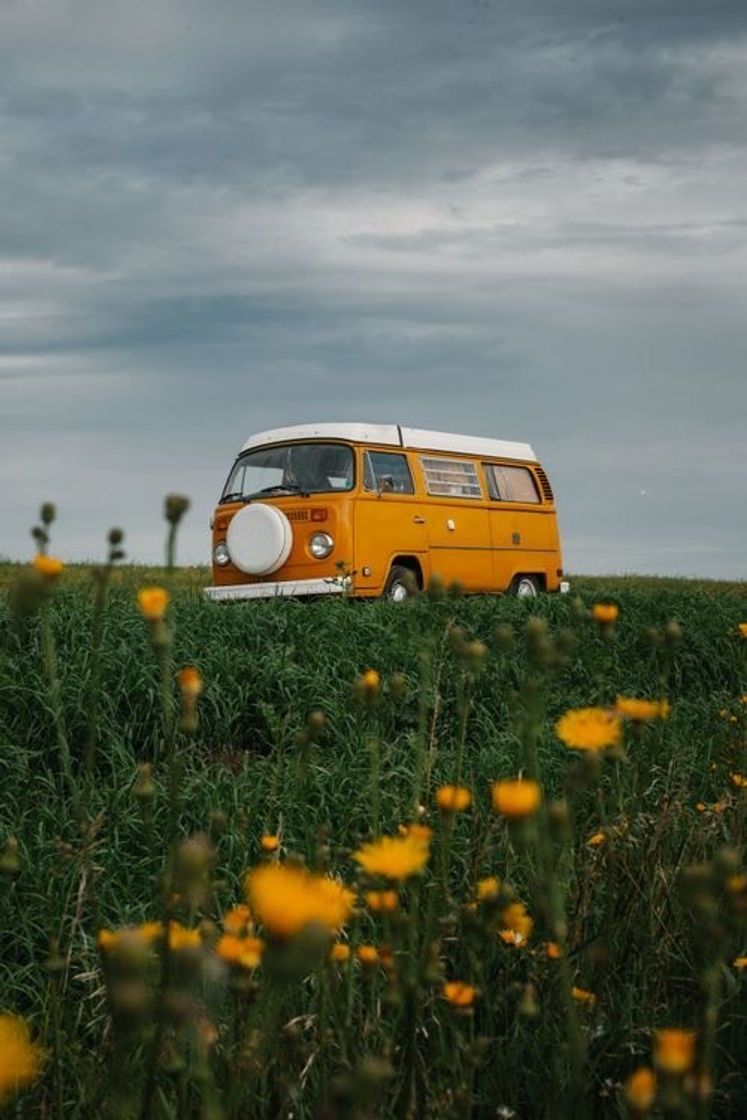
(10, 864)
(175, 506)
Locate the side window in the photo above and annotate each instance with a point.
(511, 484)
(451, 478)
(387, 472)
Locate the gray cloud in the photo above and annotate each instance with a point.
(516, 219)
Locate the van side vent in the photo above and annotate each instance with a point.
(297, 514)
(544, 482)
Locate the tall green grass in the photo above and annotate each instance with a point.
(635, 937)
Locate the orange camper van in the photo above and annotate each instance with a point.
(378, 510)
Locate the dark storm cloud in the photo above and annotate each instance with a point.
(516, 219)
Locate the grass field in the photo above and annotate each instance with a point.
(621, 899)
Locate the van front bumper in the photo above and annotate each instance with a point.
(291, 588)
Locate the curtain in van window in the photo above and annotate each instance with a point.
(511, 484)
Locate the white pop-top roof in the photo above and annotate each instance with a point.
(394, 435)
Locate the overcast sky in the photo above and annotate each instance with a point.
(517, 219)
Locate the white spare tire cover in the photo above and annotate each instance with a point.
(259, 539)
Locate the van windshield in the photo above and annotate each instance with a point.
(293, 468)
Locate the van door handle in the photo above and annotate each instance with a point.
(419, 520)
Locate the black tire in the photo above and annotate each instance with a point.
(401, 584)
(525, 587)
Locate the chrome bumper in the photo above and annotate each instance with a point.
(281, 589)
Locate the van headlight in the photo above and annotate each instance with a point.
(320, 545)
(221, 555)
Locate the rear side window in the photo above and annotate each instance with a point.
(511, 484)
(388, 472)
(455, 478)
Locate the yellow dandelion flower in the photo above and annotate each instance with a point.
(589, 729)
(605, 613)
(153, 602)
(743, 629)
(453, 799)
(597, 839)
(640, 711)
(382, 900)
(553, 952)
(109, 940)
(236, 919)
(243, 951)
(738, 780)
(516, 798)
(181, 938)
(736, 884)
(48, 566)
(458, 993)
(190, 682)
(701, 806)
(674, 1050)
(739, 962)
(20, 1058)
(287, 899)
(517, 925)
(640, 1089)
(368, 686)
(487, 888)
(419, 832)
(270, 843)
(340, 952)
(368, 955)
(393, 857)
(582, 996)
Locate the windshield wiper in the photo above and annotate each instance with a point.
(290, 488)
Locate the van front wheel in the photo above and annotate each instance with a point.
(525, 587)
(400, 585)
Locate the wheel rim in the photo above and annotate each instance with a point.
(526, 589)
(398, 592)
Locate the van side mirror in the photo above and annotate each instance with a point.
(386, 485)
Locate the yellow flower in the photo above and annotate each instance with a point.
(517, 925)
(270, 843)
(597, 839)
(736, 884)
(368, 686)
(641, 710)
(739, 962)
(243, 951)
(701, 806)
(605, 613)
(640, 1089)
(417, 832)
(368, 955)
(516, 798)
(743, 629)
(339, 952)
(488, 888)
(20, 1058)
(181, 938)
(582, 996)
(393, 857)
(674, 1050)
(589, 729)
(453, 799)
(190, 682)
(553, 952)
(145, 934)
(48, 566)
(236, 919)
(382, 900)
(153, 602)
(738, 780)
(287, 899)
(458, 993)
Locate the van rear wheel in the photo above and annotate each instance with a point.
(401, 584)
(525, 587)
